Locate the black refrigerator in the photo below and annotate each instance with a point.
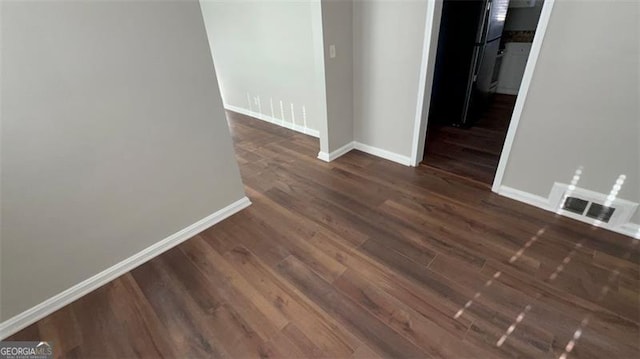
(466, 71)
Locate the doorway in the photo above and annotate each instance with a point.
(482, 51)
(267, 58)
(472, 152)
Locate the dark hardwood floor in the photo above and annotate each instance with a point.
(471, 152)
(364, 258)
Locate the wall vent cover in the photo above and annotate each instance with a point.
(600, 212)
(588, 206)
(575, 205)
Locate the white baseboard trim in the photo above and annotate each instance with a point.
(273, 120)
(387, 155)
(631, 230)
(628, 229)
(328, 157)
(378, 152)
(526, 197)
(324, 156)
(30, 316)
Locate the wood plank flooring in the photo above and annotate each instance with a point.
(364, 258)
(471, 152)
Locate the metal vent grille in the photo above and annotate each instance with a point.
(575, 205)
(600, 212)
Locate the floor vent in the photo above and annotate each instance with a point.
(591, 207)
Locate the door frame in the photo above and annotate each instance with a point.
(429, 49)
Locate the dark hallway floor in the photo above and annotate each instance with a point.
(474, 152)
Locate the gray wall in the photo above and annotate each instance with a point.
(267, 49)
(113, 138)
(582, 106)
(388, 41)
(337, 24)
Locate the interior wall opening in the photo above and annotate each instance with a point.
(483, 48)
(268, 60)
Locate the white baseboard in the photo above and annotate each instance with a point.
(324, 156)
(273, 120)
(30, 316)
(628, 229)
(379, 152)
(526, 197)
(328, 157)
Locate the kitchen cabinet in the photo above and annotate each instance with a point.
(514, 61)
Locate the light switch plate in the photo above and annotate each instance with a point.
(332, 51)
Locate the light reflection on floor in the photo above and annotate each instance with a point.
(558, 270)
(603, 292)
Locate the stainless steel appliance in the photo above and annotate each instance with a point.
(467, 59)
